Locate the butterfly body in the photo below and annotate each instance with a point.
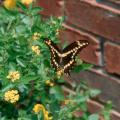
(64, 60)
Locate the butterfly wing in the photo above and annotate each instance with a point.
(68, 62)
(55, 59)
(63, 62)
(70, 52)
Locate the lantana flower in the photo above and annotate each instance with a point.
(9, 4)
(35, 49)
(38, 108)
(49, 83)
(60, 73)
(13, 75)
(35, 36)
(11, 96)
(26, 2)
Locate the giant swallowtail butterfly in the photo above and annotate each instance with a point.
(64, 60)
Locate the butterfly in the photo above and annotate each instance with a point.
(64, 60)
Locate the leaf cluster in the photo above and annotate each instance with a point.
(17, 28)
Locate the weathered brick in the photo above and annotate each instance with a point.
(109, 86)
(112, 57)
(94, 107)
(115, 115)
(94, 17)
(52, 7)
(89, 54)
(99, 18)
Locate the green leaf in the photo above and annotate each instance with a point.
(36, 10)
(27, 79)
(20, 29)
(22, 6)
(65, 44)
(82, 67)
(93, 117)
(40, 115)
(10, 12)
(7, 87)
(57, 92)
(94, 92)
(61, 80)
(2, 118)
(27, 20)
(12, 66)
(20, 62)
(107, 110)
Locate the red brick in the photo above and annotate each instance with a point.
(112, 57)
(115, 115)
(109, 86)
(94, 106)
(89, 54)
(52, 7)
(94, 17)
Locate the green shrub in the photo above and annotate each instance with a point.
(30, 89)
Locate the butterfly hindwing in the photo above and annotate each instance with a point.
(71, 51)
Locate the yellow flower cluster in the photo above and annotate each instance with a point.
(67, 101)
(26, 2)
(35, 49)
(13, 76)
(11, 96)
(9, 4)
(39, 107)
(49, 83)
(35, 36)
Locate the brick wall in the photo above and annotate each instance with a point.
(99, 22)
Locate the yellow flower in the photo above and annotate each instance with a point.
(60, 72)
(9, 4)
(35, 36)
(13, 76)
(35, 49)
(26, 2)
(39, 107)
(11, 96)
(57, 32)
(48, 82)
(54, 22)
(68, 101)
(46, 116)
(60, 17)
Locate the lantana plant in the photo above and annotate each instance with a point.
(30, 89)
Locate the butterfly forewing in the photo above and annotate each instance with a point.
(55, 59)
